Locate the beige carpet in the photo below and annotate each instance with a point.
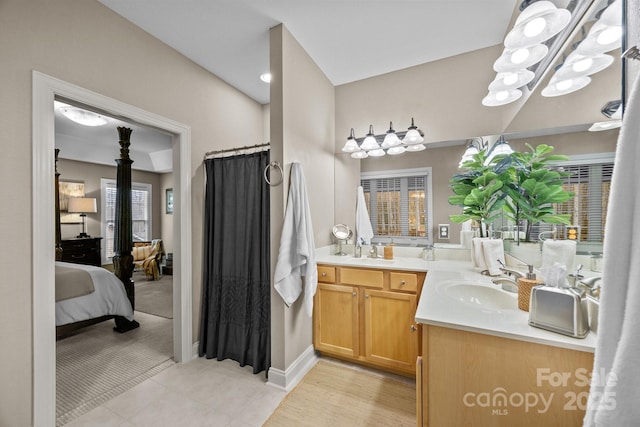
(336, 395)
(98, 364)
(154, 296)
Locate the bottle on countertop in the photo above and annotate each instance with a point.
(525, 284)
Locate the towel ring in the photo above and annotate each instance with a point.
(274, 164)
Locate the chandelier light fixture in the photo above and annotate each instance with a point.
(391, 142)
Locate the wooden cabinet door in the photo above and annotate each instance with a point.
(336, 322)
(391, 336)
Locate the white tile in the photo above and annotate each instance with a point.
(173, 409)
(137, 398)
(99, 417)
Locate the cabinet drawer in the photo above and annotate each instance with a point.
(369, 278)
(403, 282)
(326, 274)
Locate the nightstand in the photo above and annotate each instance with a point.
(82, 251)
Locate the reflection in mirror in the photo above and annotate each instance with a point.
(342, 233)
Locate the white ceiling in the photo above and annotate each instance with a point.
(348, 39)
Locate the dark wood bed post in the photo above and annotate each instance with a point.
(57, 206)
(123, 237)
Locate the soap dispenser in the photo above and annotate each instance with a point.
(525, 284)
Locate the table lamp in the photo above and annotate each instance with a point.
(83, 206)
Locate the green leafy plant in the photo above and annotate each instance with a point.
(478, 192)
(521, 184)
(533, 187)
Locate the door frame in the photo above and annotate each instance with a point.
(45, 89)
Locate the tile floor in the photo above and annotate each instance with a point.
(199, 393)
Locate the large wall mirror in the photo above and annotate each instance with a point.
(562, 122)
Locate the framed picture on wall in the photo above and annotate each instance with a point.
(169, 200)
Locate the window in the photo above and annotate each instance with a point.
(590, 181)
(141, 214)
(399, 205)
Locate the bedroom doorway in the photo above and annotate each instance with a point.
(45, 90)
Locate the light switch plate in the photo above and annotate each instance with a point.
(443, 231)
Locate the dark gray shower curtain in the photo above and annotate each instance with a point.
(235, 319)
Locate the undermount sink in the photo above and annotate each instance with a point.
(480, 296)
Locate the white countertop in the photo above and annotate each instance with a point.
(437, 308)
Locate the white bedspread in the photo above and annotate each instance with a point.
(109, 298)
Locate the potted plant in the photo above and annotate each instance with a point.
(479, 192)
(533, 187)
(520, 184)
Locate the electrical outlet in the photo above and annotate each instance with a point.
(443, 231)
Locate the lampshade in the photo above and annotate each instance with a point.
(501, 147)
(83, 117)
(612, 15)
(378, 152)
(391, 139)
(351, 145)
(537, 23)
(396, 149)
(601, 38)
(416, 147)
(82, 205)
(413, 136)
(558, 87)
(359, 155)
(494, 99)
(511, 80)
(580, 65)
(521, 58)
(600, 126)
(370, 142)
(472, 149)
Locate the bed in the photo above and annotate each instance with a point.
(85, 294)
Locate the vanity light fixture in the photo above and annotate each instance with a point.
(558, 86)
(82, 116)
(600, 126)
(501, 147)
(475, 146)
(391, 142)
(502, 97)
(538, 22)
(588, 57)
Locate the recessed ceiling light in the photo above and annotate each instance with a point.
(265, 77)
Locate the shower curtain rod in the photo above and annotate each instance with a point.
(235, 150)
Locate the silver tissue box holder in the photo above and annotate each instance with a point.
(559, 310)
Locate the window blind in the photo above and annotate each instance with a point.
(398, 206)
(140, 210)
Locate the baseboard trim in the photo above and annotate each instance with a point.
(289, 378)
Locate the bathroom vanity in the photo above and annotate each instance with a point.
(476, 359)
(483, 365)
(366, 314)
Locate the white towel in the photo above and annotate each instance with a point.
(493, 250)
(618, 346)
(562, 252)
(465, 238)
(296, 256)
(477, 253)
(364, 232)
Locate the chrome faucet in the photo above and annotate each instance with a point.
(508, 284)
(510, 272)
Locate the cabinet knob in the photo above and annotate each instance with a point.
(413, 328)
(354, 294)
(366, 296)
(324, 274)
(402, 282)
